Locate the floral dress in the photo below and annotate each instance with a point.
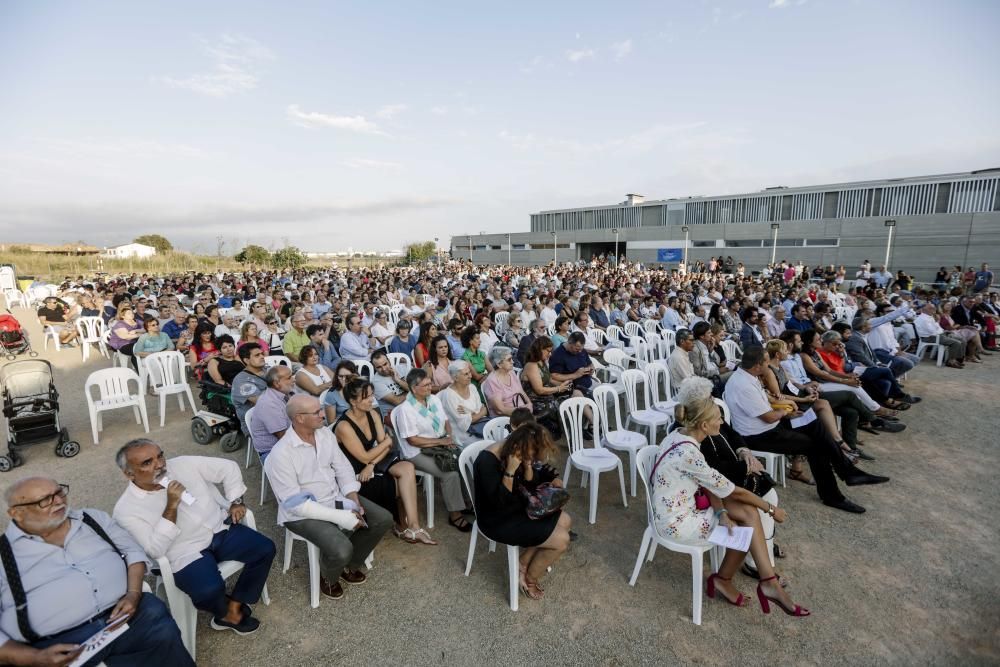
(675, 481)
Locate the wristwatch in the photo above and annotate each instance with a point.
(770, 509)
(238, 501)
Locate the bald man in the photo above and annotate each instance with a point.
(75, 572)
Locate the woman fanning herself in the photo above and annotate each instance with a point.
(498, 472)
(679, 470)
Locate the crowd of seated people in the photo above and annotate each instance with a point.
(343, 449)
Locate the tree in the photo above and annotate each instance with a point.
(288, 258)
(254, 255)
(161, 244)
(419, 252)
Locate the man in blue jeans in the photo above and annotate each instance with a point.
(67, 574)
(173, 509)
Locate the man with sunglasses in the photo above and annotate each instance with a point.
(79, 572)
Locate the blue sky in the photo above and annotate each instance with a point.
(369, 125)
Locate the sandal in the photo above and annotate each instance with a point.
(532, 589)
(407, 535)
(460, 524)
(421, 536)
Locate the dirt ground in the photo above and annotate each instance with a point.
(911, 582)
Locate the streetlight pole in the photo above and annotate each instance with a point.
(774, 241)
(891, 224)
(615, 230)
(686, 231)
(508, 250)
(470, 249)
(437, 251)
(555, 249)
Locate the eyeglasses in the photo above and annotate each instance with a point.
(345, 377)
(46, 501)
(312, 413)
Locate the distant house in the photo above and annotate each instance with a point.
(129, 251)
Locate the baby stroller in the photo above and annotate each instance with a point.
(31, 410)
(218, 417)
(13, 339)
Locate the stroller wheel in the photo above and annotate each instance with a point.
(11, 357)
(201, 431)
(5, 464)
(230, 442)
(16, 459)
(69, 449)
(32, 354)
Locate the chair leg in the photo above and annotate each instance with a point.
(263, 484)
(473, 538)
(593, 497)
(652, 551)
(163, 407)
(249, 447)
(513, 563)
(647, 537)
(429, 499)
(313, 555)
(144, 413)
(621, 482)
(569, 467)
(93, 424)
(289, 543)
(696, 584)
(633, 469)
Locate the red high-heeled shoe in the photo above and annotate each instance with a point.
(710, 591)
(799, 610)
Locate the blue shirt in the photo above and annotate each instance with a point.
(456, 347)
(798, 325)
(406, 347)
(600, 318)
(173, 329)
(564, 362)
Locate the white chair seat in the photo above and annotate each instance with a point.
(595, 460)
(113, 394)
(665, 406)
(647, 417)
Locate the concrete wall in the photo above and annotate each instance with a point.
(921, 244)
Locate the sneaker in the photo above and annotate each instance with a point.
(334, 590)
(354, 577)
(247, 626)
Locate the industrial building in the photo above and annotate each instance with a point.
(933, 221)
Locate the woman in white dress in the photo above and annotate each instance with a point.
(463, 404)
(312, 377)
(679, 469)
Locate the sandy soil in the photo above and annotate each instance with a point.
(910, 582)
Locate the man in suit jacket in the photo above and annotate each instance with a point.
(876, 376)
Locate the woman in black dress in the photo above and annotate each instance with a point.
(385, 479)
(498, 472)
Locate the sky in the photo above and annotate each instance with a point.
(334, 125)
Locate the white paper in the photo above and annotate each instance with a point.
(807, 417)
(792, 389)
(97, 642)
(739, 540)
(186, 497)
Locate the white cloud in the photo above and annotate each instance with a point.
(365, 163)
(237, 63)
(389, 111)
(636, 143)
(314, 119)
(622, 49)
(575, 56)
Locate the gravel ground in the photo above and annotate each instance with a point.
(907, 583)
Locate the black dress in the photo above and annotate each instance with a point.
(500, 513)
(381, 488)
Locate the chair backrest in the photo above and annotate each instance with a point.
(90, 329)
(571, 414)
(614, 333)
(466, 463)
(643, 352)
(272, 360)
(165, 369)
(631, 379)
(633, 329)
(658, 376)
(496, 429)
(644, 462)
(602, 394)
(500, 322)
(651, 326)
(248, 418)
(725, 409)
(598, 336)
(732, 350)
(365, 368)
(401, 362)
(113, 385)
(616, 357)
(669, 342)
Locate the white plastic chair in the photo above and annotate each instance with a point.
(90, 331)
(616, 338)
(113, 393)
(667, 343)
(401, 362)
(591, 461)
(365, 368)
(263, 470)
(496, 429)
(732, 350)
(614, 436)
(272, 360)
(930, 347)
(658, 376)
(500, 322)
(165, 372)
(181, 608)
(465, 466)
(651, 538)
(50, 332)
(16, 298)
(651, 326)
(428, 480)
(648, 417)
(774, 464)
(633, 330)
(312, 552)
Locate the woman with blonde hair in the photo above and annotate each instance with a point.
(679, 470)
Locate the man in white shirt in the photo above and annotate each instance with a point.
(318, 499)
(228, 327)
(679, 361)
(354, 343)
(768, 430)
(881, 278)
(930, 331)
(882, 340)
(172, 509)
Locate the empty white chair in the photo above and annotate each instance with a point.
(613, 435)
(651, 538)
(428, 480)
(312, 552)
(667, 343)
(401, 362)
(616, 338)
(465, 466)
(181, 608)
(263, 470)
(658, 376)
(166, 374)
(773, 463)
(16, 298)
(114, 393)
(732, 350)
(651, 326)
(648, 417)
(272, 360)
(599, 337)
(49, 332)
(496, 429)
(633, 329)
(644, 352)
(591, 461)
(90, 331)
(500, 322)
